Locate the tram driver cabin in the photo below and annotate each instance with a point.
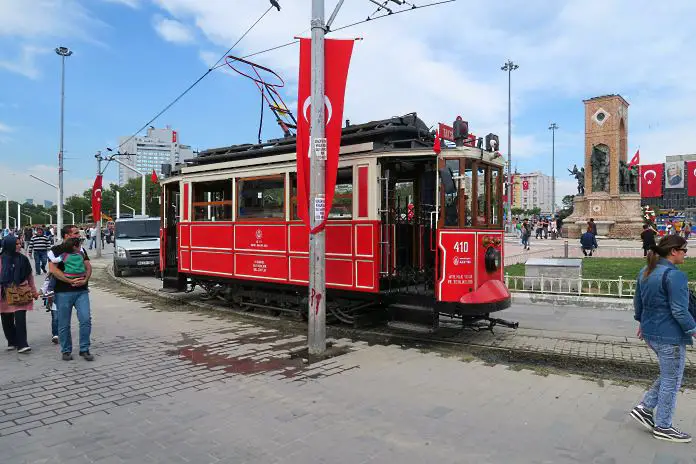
(407, 228)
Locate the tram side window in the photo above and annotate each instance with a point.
(212, 201)
(467, 191)
(495, 195)
(261, 197)
(342, 206)
(452, 199)
(481, 187)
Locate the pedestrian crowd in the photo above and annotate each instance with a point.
(64, 288)
(545, 227)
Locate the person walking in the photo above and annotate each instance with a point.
(661, 303)
(93, 236)
(526, 233)
(17, 294)
(28, 233)
(687, 230)
(588, 242)
(648, 238)
(69, 293)
(38, 247)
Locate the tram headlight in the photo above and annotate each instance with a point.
(121, 252)
(492, 260)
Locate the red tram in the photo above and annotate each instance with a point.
(412, 234)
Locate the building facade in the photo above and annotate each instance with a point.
(532, 190)
(676, 199)
(150, 152)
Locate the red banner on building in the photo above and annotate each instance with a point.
(691, 177)
(525, 185)
(651, 180)
(97, 198)
(337, 55)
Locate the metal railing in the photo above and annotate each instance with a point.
(579, 286)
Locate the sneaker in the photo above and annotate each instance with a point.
(26, 349)
(67, 356)
(11, 348)
(87, 355)
(55, 339)
(671, 434)
(644, 416)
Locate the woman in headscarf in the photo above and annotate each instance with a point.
(15, 271)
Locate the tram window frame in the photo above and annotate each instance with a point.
(496, 218)
(481, 220)
(346, 173)
(464, 202)
(208, 203)
(261, 214)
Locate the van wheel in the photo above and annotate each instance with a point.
(117, 271)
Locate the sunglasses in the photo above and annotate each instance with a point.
(681, 249)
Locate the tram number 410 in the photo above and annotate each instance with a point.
(461, 247)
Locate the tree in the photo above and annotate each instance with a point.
(568, 202)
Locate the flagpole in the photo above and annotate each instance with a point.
(97, 224)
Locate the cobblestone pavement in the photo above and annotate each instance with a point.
(175, 386)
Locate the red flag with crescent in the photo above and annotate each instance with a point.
(153, 177)
(635, 161)
(337, 55)
(437, 146)
(651, 180)
(691, 178)
(525, 185)
(97, 198)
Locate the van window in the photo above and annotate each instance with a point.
(147, 228)
(261, 197)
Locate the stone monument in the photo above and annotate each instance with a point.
(607, 187)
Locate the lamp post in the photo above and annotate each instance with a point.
(130, 208)
(63, 52)
(82, 214)
(50, 219)
(142, 200)
(509, 66)
(71, 214)
(7, 210)
(553, 128)
(31, 221)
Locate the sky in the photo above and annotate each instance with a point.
(133, 57)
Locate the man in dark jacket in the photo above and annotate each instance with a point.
(648, 238)
(588, 242)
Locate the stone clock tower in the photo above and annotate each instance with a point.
(617, 214)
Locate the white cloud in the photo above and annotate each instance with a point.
(4, 128)
(172, 30)
(26, 63)
(130, 3)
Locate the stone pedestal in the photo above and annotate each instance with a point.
(616, 216)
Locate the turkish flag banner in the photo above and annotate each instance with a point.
(153, 177)
(651, 180)
(337, 55)
(635, 161)
(691, 178)
(525, 185)
(97, 198)
(437, 146)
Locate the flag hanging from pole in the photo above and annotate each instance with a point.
(691, 178)
(651, 180)
(153, 177)
(97, 198)
(635, 161)
(437, 147)
(337, 55)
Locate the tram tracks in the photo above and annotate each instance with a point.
(618, 361)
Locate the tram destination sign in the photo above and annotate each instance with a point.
(446, 132)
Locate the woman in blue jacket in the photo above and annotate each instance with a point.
(661, 305)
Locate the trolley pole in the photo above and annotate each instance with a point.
(553, 128)
(316, 338)
(97, 224)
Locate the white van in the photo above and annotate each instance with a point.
(137, 244)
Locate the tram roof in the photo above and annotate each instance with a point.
(398, 132)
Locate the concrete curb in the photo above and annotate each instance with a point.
(594, 302)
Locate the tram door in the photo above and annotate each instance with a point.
(168, 237)
(407, 211)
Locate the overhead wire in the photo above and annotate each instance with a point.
(218, 63)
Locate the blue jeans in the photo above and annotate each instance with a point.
(65, 302)
(663, 393)
(40, 260)
(93, 241)
(525, 240)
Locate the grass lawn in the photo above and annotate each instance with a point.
(612, 268)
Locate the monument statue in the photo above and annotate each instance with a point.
(633, 179)
(600, 169)
(628, 178)
(580, 177)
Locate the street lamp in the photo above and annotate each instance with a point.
(31, 222)
(63, 52)
(82, 213)
(50, 218)
(7, 210)
(132, 209)
(71, 214)
(553, 128)
(509, 66)
(142, 200)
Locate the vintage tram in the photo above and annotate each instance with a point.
(412, 235)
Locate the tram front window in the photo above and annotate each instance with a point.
(452, 199)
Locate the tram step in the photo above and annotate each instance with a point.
(413, 315)
(411, 327)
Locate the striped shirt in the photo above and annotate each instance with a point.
(39, 243)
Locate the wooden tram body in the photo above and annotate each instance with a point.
(410, 232)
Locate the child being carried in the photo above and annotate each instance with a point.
(72, 258)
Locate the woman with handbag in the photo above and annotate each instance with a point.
(17, 294)
(661, 303)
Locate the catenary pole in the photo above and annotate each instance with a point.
(63, 52)
(509, 66)
(316, 338)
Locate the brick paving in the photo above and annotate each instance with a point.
(189, 387)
